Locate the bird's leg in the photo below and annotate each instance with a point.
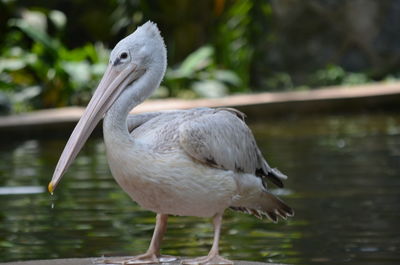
(152, 255)
(213, 256)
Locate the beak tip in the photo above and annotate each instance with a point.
(50, 187)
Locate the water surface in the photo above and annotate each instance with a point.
(344, 186)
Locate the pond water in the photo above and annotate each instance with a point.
(344, 184)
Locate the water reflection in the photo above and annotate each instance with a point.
(344, 185)
(21, 190)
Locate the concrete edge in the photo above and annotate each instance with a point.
(91, 261)
(256, 106)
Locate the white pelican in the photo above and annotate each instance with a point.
(195, 162)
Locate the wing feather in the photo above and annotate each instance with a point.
(221, 139)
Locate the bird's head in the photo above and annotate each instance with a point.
(143, 48)
(140, 54)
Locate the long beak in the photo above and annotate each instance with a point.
(110, 87)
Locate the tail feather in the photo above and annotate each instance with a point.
(271, 174)
(269, 206)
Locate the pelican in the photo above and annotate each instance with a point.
(195, 162)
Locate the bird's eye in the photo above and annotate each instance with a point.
(123, 55)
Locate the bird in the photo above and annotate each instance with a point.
(194, 162)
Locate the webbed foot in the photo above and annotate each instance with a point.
(147, 258)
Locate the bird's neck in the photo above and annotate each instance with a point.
(115, 120)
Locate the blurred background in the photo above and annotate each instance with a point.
(343, 166)
(52, 53)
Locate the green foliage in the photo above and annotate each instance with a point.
(222, 47)
(279, 81)
(233, 41)
(38, 71)
(332, 75)
(200, 73)
(336, 75)
(45, 73)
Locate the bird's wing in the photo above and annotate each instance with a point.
(220, 138)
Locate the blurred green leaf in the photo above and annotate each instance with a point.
(79, 72)
(210, 88)
(336, 75)
(196, 61)
(229, 77)
(36, 35)
(11, 64)
(27, 94)
(58, 18)
(200, 73)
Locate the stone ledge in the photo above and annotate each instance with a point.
(257, 106)
(90, 261)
